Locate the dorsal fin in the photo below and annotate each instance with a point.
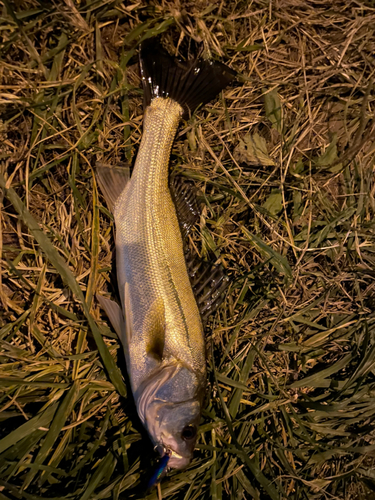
(209, 282)
(184, 195)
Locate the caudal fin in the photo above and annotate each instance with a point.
(189, 83)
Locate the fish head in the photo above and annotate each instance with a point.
(169, 405)
(176, 431)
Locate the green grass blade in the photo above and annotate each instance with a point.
(60, 417)
(278, 261)
(91, 286)
(40, 420)
(323, 374)
(273, 108)
(68, 277)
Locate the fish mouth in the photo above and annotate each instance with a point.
(178, 461)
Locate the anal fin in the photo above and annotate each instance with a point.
(112, 182)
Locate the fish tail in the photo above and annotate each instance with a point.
(189, 83)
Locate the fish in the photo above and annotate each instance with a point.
(159, 322)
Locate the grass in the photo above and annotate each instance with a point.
(284, 160)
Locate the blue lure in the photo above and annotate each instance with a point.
(160, 471)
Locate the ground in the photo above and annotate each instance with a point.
(284, 163)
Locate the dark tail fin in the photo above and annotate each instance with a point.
(189, 83)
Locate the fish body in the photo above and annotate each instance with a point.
(165, 351)
(162, 333)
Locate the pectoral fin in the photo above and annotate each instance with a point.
(114, 313)
(155, 326)
(128, 314)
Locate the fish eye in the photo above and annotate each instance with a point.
(189, 432)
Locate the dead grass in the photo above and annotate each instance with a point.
(285, 163)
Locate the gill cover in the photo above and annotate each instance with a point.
(169, 405)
